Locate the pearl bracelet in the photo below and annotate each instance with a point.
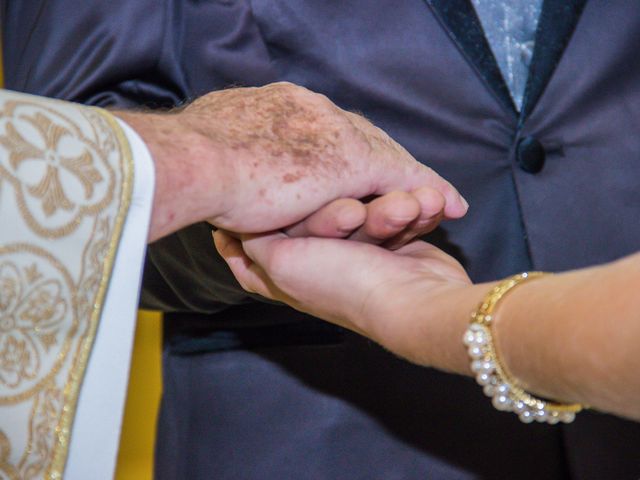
(491, 374)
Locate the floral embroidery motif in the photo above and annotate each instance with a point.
(50, 189)
(32, 313)
(60, 171)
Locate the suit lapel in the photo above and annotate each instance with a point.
(459, 19)
(557, 22)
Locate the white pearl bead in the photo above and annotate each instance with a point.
(519, 407)
(483, 378)
(475, 327)
(482, 366)
(553, 418)
(469, 338)
(502, 389)
(476, 352)
(476, 366)
(489, 390)
(541, 416)
(526, 416)
(501, 402)
(486, 366)
(567, 417)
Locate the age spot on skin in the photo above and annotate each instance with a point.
(289, 129)
(291, 177)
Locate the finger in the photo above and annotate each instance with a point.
(415, 176)
(300, 269)
(432, 204)
(387, 216)
(402, 172)
(267, 249)
(300, 265)
(337, 219)
(431, 214)
(249, 275)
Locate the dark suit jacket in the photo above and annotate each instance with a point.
(257, 391)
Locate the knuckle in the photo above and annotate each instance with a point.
(284, 85)
(288, 89)
(324, 101)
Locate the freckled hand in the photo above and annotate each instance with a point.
(260, 159)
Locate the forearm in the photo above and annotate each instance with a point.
(571, 337)
(574, 337)
(187, 191)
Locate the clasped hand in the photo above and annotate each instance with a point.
(283, 159)
(255, 160)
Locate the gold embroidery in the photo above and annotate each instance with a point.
(41, 163)
(51, 192)
(65, 172)
(7, 471)
(16, 362)
(42, 305)
(18, 147)
(44, 417)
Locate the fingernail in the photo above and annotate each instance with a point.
(464, 202)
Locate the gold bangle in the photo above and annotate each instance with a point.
(490, 372)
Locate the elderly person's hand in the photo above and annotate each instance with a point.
(261, 159)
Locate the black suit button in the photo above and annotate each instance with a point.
(530, 154)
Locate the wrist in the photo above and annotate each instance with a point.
(487, 361)
(190, 171)
(427, 326)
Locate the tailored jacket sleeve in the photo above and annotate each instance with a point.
(151, 54)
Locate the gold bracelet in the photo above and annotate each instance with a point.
(491, 373)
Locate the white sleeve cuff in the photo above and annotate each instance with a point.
(96, 429)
